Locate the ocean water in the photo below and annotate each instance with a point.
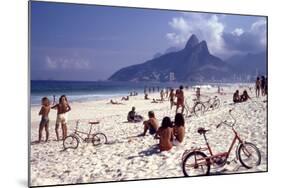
(86, 90)
(97, 90)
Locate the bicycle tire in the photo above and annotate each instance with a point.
(242, 160)
(216, 104)
(190, 155)
(99, 138)
(74, 141)
(199, 109)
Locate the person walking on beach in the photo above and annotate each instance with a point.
(258, 87)
(62, 108)
(263, 86)
(44, 123)
(162, 95)
(178, 129)
(180, 99)
(198, 94)
(151, 124)
(165, 134)
(171, 98)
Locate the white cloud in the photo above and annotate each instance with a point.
(212, 29)
(192, 23)
(62, 63)
(237, 31)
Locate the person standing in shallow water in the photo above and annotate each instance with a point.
(258, 87)
(62, 108)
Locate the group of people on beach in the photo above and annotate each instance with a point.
(62, 108)
(237, 98)
(169, 133)
(261, 86)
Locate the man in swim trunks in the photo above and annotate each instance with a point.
(180, 99)
(151, 124)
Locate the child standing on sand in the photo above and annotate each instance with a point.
(62, 109)
(44, 123)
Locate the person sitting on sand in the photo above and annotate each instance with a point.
(146, 96)
(154, 101)
(171, 98)
(44, 123)
(165, 133)
(180, 99)
(151, 124)
(133, 117)
(236, 97)
(244, 97)
(62, 109)
(178, 129)
(125, 98)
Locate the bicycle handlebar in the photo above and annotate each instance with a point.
(225, 122)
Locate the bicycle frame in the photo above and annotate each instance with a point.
(77, 132)
(212, 158)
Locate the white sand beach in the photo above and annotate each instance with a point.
(127, 156)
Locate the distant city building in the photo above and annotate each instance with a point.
(172, 76)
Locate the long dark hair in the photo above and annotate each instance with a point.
(179, 120)
(166, 122)
(60, 99)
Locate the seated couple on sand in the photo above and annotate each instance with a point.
(240, 98)
(169, 134)
(133, 117)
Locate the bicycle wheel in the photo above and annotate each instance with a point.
(249, 155)
(199, 109)
(216, 104)
(99, 138)
(195, 164)
(70, 142)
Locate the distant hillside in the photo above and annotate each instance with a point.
(249, 64)
(193, 63)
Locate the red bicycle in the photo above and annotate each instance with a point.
(195, 162)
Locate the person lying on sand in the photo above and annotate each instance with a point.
(44, 123)
(125, 98)
(114, 102)
(178, 129)
(133, 117)
(244, 97)
(151, 124)
(236, 97)
(165, 133)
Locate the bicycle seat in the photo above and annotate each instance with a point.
(201, 130)
(93, 122)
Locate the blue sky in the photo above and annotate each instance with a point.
(82, 42)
